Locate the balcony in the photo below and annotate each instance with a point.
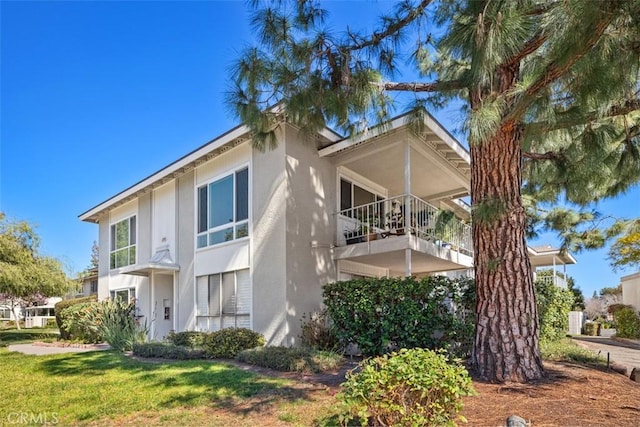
(404, 234)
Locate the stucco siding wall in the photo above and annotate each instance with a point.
(164, 218)
(184, 287)
(310, 229)
(268, 246)
(631, 290)
(103, 257)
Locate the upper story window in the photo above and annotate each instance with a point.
(123, 243)
(223, 209)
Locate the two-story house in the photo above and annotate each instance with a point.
(231, 236)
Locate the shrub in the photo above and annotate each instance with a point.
(407, 388)
(191, 339)
(166, 351)
(82, 322)
(628, 323)
(119, 326)
(51, 323)
(384, 314)
(291, 359)
(591, 329)
(230, 341)
(554, 305)
(317, 332)
(60, 306)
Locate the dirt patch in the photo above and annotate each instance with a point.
(571, 395)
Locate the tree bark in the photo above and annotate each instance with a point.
(506, 344)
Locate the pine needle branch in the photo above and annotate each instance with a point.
(422, 87)
(556, 70)
(629, 106)
(549, 155)
(392, 29)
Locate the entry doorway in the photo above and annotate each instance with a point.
(162, 313)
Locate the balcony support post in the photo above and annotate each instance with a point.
(407, 204)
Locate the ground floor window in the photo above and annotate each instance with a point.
(126, 295)
(224, 300)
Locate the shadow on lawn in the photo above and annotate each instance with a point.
(226, 386)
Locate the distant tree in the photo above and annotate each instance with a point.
(95, 255)
(610, 296)
(26, 277)
(550, 96)
(594, 308)
(625, 251)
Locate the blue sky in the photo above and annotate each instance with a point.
(98, 95)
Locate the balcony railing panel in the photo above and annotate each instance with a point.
(401, 215)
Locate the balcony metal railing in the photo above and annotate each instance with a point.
(401, 215)
(556, 280)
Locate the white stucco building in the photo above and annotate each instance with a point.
(232, 236)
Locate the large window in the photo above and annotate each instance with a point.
(123, 243)
(223, 209)
(125, 295)
(224, 300)
(352, 197)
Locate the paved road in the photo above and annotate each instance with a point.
(626, 354)
(40, 350)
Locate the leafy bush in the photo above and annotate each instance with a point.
(317, 332)
(82, 322)
(628, 323)
(591, 329)
(384, 314)
(554, 305)
(166, 351)
(291, 359)
(407, 388)
(230, 341)
(60, 306)
(119, 326)
(191, 339)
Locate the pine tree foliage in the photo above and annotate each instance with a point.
(557, 80)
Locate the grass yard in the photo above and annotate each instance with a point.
(23, 336)
(108, 388)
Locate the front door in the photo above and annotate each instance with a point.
(163, 310)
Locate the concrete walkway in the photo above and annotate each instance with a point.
(625, 353)
(43, 349)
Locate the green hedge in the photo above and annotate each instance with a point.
(60, 306)
(627, 323)
(191, 339)
(415, 387)
(166, 351)
(227, 343)
(591, 329)
(383, 314)
(554, 305)
(291, 359)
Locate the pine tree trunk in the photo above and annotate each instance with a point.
(507, 332)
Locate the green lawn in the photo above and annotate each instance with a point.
(106, 387)
(22, 336)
